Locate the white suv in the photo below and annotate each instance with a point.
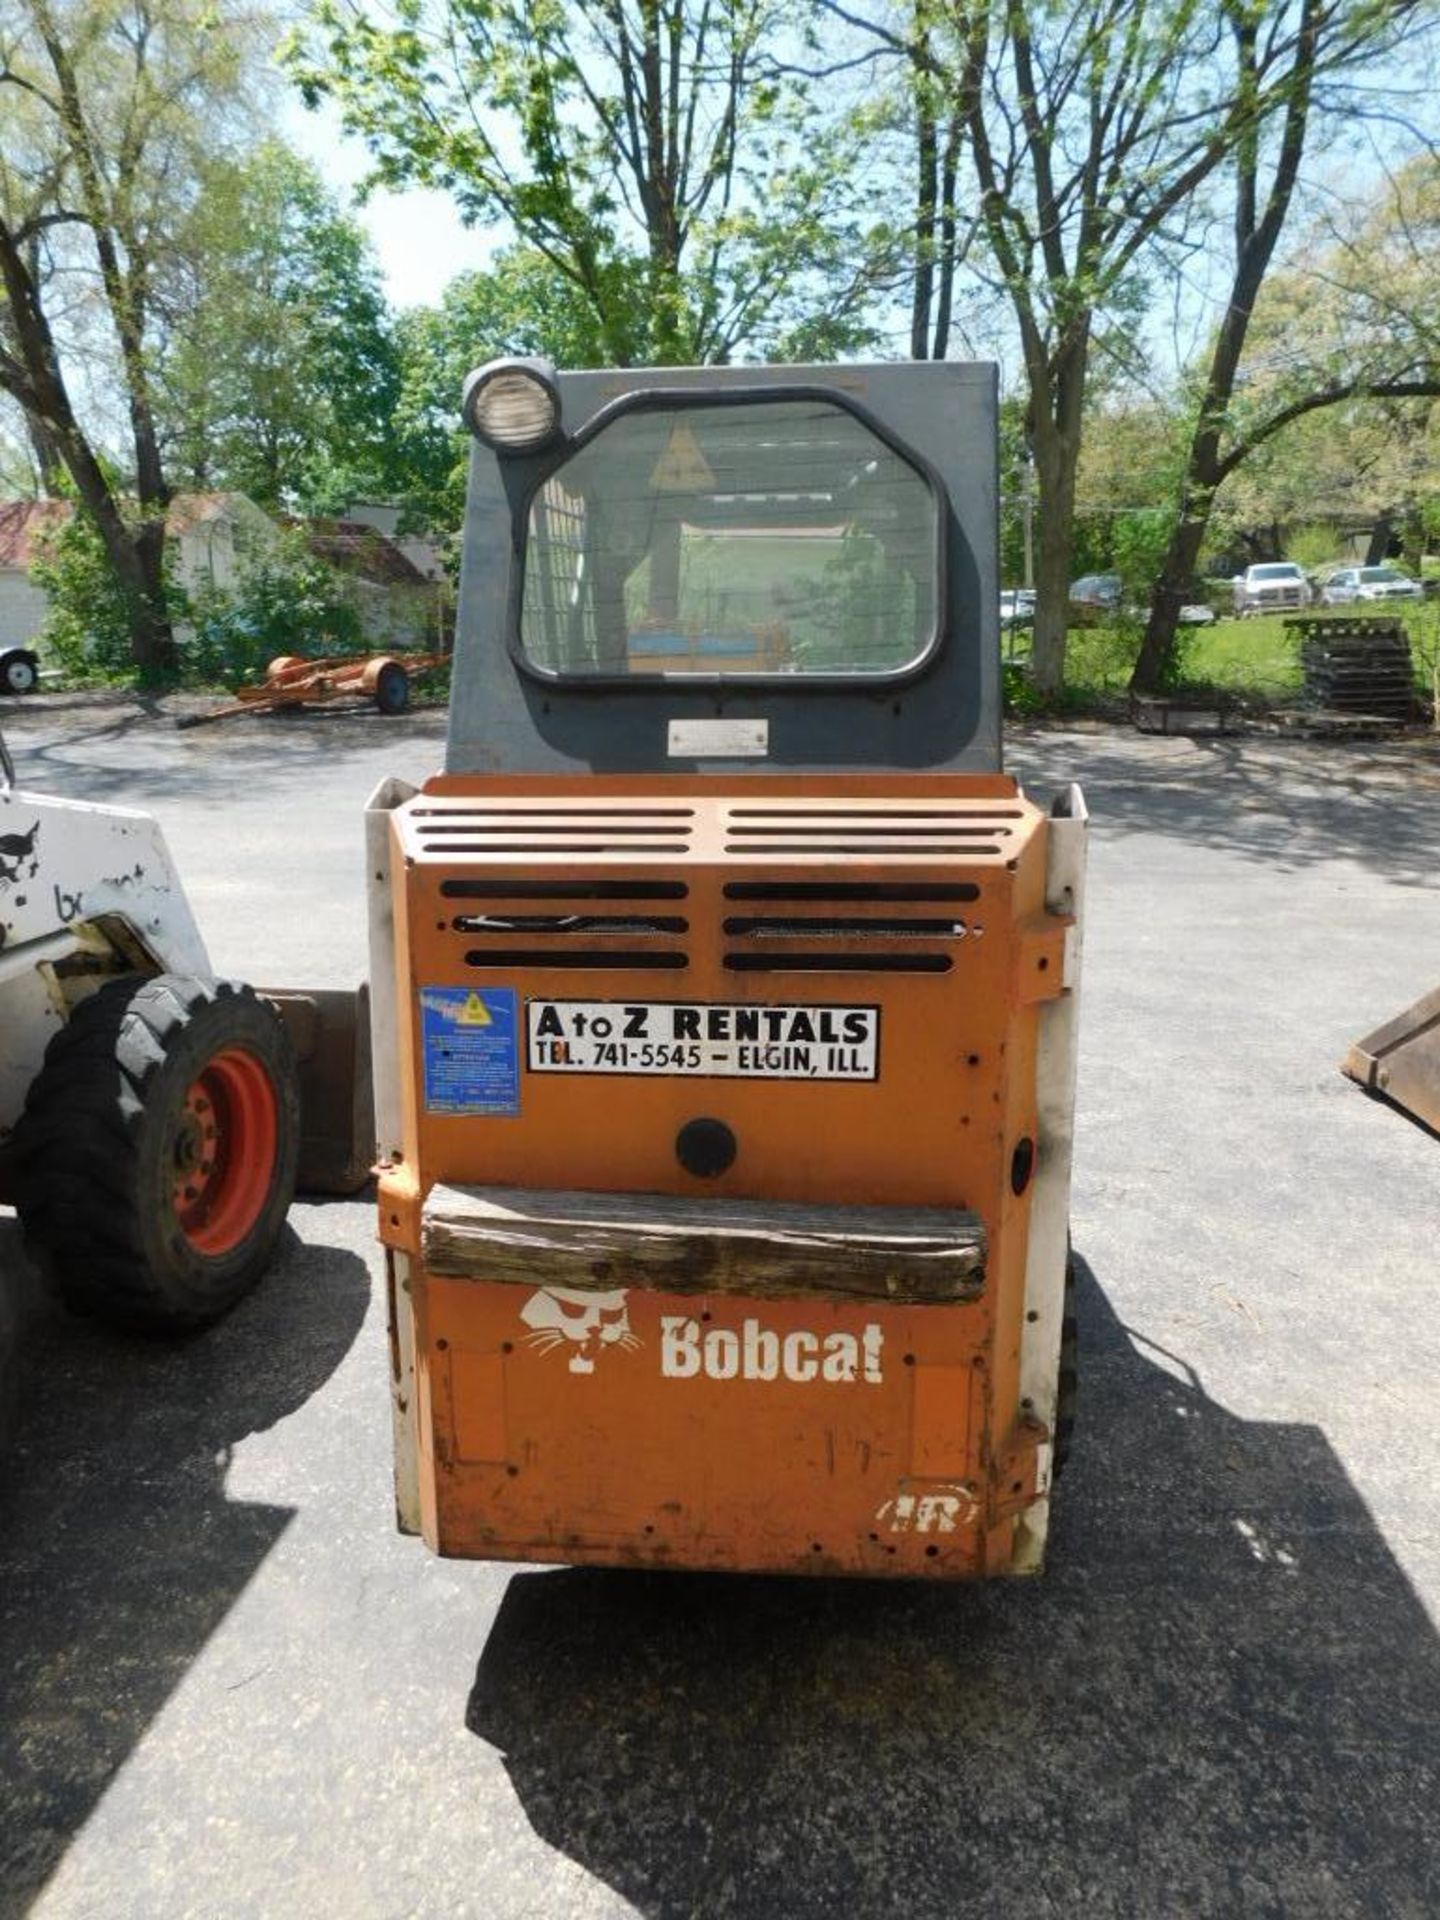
(1274, 586)
(1369, 583)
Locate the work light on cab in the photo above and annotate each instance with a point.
(513, 405)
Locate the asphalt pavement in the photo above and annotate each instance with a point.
(228, 1688)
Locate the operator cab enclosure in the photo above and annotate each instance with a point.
(725, 994)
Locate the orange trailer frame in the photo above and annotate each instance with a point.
(382, 679)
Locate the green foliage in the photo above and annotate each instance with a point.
(283, 374)
(1423, 625)
(522, 305)
(1137, 548)
(1022, 699)
(1310, 546)
(685, 184)
(1100, 658)
(285, 602)
(90, 620)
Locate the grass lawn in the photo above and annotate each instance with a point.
(1259, 657)
(1260, 654)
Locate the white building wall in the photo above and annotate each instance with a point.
(23, 606)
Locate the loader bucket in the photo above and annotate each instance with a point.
(1401, 1061)
(330, 1032)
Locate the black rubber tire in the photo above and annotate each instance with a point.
(18, 672)
(1068, 1394)
(392, 688)
(96, 1150)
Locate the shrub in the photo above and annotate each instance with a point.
(285, 602)
(88, 625)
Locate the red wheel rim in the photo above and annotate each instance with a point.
(224, 1155)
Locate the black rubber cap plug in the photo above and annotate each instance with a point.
(705, 1148)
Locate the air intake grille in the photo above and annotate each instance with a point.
(593, 925)
(550, 830)
(797, 935)
(868, 832)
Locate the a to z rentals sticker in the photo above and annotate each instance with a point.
(470, 1038)
(702, 1038)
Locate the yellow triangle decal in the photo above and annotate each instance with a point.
(475, 1013)
(682, 467)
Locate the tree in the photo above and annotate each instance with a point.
(1328, 48)
(1091, 135)
(650, 151)
(281, 374)
(1333, 412)
(1364, 467)
(105, 106)
(522, 305)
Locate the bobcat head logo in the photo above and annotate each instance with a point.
(18, 858)
(586, 1322)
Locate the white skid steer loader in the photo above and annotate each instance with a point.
(152, 1117)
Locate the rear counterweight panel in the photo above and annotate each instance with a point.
(890, 940)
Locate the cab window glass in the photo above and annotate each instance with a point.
(771, 537)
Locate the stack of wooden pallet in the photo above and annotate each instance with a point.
(1357, 665)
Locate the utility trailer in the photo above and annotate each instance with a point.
(725, 995)
(379, 679)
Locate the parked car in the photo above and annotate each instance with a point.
(1369, 583)
(1096, 590)
(19, 670)
(1272, 586)
(1017, 606)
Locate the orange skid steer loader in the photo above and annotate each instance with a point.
(724, 995)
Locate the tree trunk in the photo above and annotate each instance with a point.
(1412, 537)
(33, 376)
(1055, 443)
(1381, 534)
(1256, 234)
(49, 468)
(926, 164)
(1157, 649)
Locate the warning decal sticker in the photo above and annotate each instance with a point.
(470, 1039)
(703, 1039)
(682, 467)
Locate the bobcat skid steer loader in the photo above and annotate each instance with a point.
(151, 1115)
(724, 995)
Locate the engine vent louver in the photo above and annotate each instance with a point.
(847, 892)
(564, 889)
(874, 813)
(869, 832)
(552, 830)
(834, 927)
(867, 962)
(579, 921)
(581, 959)
(796, 935)
(570, 925)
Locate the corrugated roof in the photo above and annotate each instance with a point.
(350, 546)
(24, 525)
(355, 547)
(189, 510)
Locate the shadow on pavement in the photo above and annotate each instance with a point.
(1220, 1699)
(132, 748)
(119, 1551)
(1289, 803)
